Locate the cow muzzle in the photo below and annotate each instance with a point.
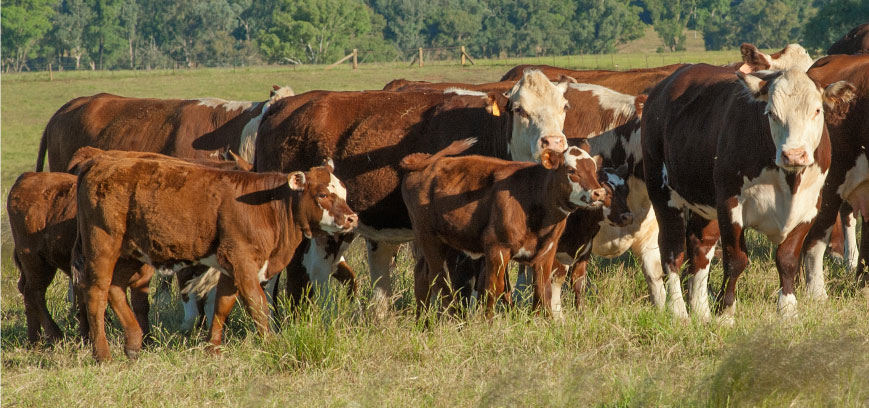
(625, 219)
(557, 143)
(795, 158)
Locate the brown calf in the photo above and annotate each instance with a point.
(499, 209)
(247, 226)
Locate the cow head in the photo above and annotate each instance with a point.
(615, 209)
(793, 56)
(795, 107)
(323, 202)
(538, 107)
(575, 183)
(280, 92)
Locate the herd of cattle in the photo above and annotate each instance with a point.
(545, 168)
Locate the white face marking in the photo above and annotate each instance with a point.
(542, 105)
(795, 114)
(473, 255)
(578, 195)
(794, 56)
(335, 187)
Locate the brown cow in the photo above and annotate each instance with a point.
(737, 151)
(42, 210)
(855, 42)
(190, 129)
(499, 209)
(632, 82)
(848, 180)
(247, 226)
(368, 133)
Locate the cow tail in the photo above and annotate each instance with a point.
(43, 145)
(419, 161)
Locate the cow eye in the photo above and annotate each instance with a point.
(566, 108)
(322, 195)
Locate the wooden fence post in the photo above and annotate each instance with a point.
(355, 54)
(420, 57)
(50, 75)
(463, 55)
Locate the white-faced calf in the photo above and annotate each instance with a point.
(499, 209)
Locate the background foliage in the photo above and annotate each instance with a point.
(135, 34)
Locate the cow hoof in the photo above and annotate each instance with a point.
(726, 320)
(214, 350)
(132, 354)
(817, 295)
(787, 306)
(678, 309)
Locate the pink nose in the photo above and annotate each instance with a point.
(795, 157)
(352, 221)
(553, 142)
(598, 194)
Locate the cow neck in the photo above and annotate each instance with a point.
(496, 145)
(555, 206)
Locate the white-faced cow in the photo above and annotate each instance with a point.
(247, 226)
(848, 180)
(497, 209)
(736, 151)
(368, 133)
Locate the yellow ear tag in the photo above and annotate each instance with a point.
(495, 110)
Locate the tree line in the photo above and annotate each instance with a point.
(139, 34)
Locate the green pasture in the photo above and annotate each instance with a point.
(615, 351)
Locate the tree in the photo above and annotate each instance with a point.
(130, 14)
(599, 26)
(833, 20)
(405, 21)
(70, 22)
(25, 23)
(315, 30)
(764, 23)
(670, 18)
(103, 35)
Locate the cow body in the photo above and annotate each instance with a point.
(368, 133)
(848, 180)
(498, 209)
(855, 42)
(632, 82)
(247, 226)
(42, 211)
(193, 129)
(735, 161)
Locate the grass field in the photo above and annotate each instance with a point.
(615, 351)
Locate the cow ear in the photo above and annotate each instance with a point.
(639, 103)
(296, 180)
(329, 164)
(275, 87)
(496, 103)
(752, 58)
(755, 86)
(239, 161)
(623, 171)
(551, 159)
(564, 82)
(598, 161)
(837, 101)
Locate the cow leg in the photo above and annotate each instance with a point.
(248, 282)
(849, 229)
(118, 300)
(98, 277)
(701, 239)
(787, 261)
(813, 251)
(493, 280)
(523, 287)
(862, 274)
(380, 255)
(223, 304)
(346, 276)
(268, 290)
(543, 285)
(578, 280)
(650, 262)
(36, 276)
(463, 274)
(558, 277)
(139, 291)
(734, 256)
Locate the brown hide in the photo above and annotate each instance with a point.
(855, 42)
(179, 128)
(631, 82)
